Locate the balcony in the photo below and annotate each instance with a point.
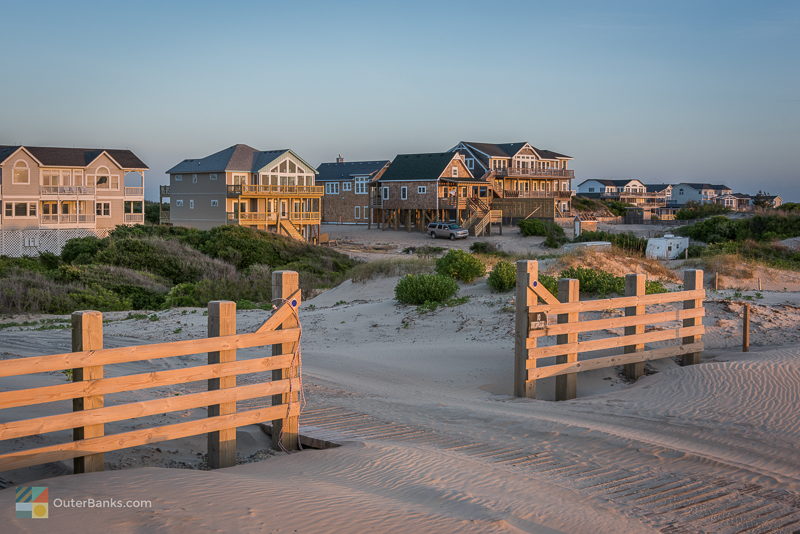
(272, 218)
(66, 190)
(452, 203)
(512, 193)
(134, 218)
(275, 190)
(67, 219)
(533, 173)
(134, 191)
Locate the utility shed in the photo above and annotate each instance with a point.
(668, 247)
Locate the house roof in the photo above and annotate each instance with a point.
(615, 183)
(419, 166)
(75, 157)
(507, 150)
(348, 169)
(696, 185)
(239, 157)
(656, 188)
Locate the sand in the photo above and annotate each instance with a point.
(432, 440)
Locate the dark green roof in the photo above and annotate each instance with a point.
(418, 166)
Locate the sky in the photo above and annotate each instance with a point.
(699, 91)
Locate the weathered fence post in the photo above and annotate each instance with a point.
(746, 327)
(527, 271)
(716, 281)
(692, 279)
(286, 431)
(222, 443)
(87, 334)
(566, 385)
(634, 287)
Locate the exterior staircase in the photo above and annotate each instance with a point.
(481, 216)
(290, 229)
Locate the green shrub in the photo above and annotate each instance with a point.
(421, 288)
(460, 265)
(553, 233)
(602, 283)
(503, 277)
(759, 228)
(616, 207)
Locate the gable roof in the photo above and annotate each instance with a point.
(696, 185)
(657, 188)
(348, 169)
(483, 151)
(75, 157)
(616, 183)
(242, 158)
(418, 166)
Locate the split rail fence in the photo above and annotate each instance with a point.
(562, 359)
(89, 387)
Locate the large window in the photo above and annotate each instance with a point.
(105, 180)
(21, 174)
(362, 184)
(332, 188)
(20, 209)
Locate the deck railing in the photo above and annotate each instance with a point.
(300, 190)
(134, 218)
(544, 173)
(134, 191)
(66, 190)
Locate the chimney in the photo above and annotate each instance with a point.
(340, 159)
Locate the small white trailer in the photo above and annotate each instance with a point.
(669, 247)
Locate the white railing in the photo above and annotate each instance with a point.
(66, 190)
(67, 218)
(134, 218)
(134, 191)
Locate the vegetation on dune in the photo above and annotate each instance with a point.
(553, 233)
(391, 267)
(503, 277)
(152, 267)
(758, 228)
(460, 265)
(596, 282)
(422, 289)
(601, 208)
(627, 241)
(695, 210)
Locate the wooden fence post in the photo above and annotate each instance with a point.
(692, 279)
(746, 327)
(87, 334)
(222, 443)
(527, 271)
(566, 385)
(634, 286)
(286, 431)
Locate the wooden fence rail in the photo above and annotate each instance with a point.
(89, 387)
(533, 326)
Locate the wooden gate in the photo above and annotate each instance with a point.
(533, 325)
(89, 387)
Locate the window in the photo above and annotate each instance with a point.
(194, 178)
(179, 203)
(365, 212)
(470, 163)
(178, 177)
(385, 193)
(421, 190)
(404, 193)
(454, 171)
(362, 183)
(9, 209)
(591, 189)
(332, 188)
(212, 177)
(21, 173)
(214, 203)
(32, 209)
(191, 204)
(103, 209)
(347, 186)
(357, 212)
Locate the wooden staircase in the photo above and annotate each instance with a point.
(481, 216)
(290, 229)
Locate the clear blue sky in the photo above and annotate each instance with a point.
(663, 91)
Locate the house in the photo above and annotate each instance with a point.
(735, 201)
(417, 189)
(763, 200)
(630, 191)
(347, 184)
(700, 193)
(54, 188)
(272, 190)
(521, 171)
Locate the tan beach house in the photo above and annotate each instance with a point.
(272, 190)
(52, 188)
(347, 185)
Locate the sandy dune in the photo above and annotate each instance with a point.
(433, 442)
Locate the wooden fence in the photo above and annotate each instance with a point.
(532, 326)
(89, 387)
